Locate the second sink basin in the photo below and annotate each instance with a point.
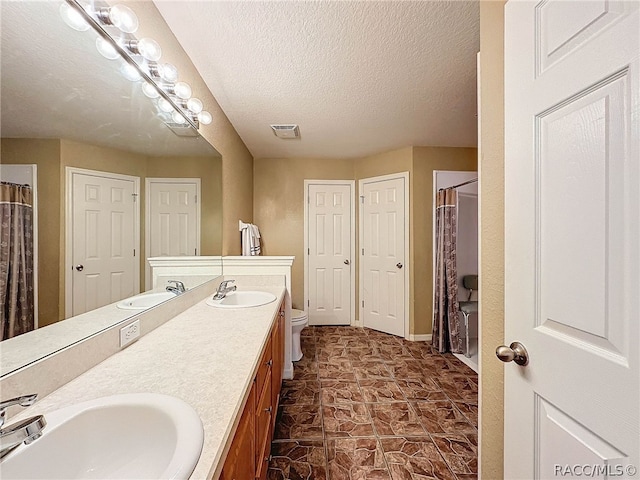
(131, 436)
(144, 301)
(243, 299)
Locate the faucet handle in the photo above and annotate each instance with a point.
(179, 285)
(225, 283)
(23, 401)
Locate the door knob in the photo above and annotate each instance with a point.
(514, 352)
(346, 262)
(79, 267)
(399, 265)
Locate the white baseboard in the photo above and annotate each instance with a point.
(420, 338)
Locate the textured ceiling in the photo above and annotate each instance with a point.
(359, 77)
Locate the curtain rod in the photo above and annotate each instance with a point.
(459, 185)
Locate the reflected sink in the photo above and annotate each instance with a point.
(144, 301)
(133, 436)
(243, 299)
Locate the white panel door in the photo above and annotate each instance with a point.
(382, 252)
(173, 217)
(329, 266)
(572, 251)
(103, 240)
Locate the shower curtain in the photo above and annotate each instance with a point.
(16, 260)
(446, 325)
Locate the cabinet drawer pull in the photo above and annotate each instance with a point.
(268, 409)
(268, 459)
(269, 363)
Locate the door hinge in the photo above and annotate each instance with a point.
(196, 199)
(308, 303)
(308, 251)
(361, 198)
(362, 303)
(195, 251)
(134, 252)
(135, 197)
(363, 251)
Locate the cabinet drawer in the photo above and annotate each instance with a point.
(264, 411)
(264, 368)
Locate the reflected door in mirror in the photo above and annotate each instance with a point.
(104, 230)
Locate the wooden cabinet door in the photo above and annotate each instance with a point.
(240, 461)
(277, 341)
(264, 413)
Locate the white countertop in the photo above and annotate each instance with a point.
(205, 356)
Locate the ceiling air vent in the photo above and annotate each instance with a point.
(286, 131)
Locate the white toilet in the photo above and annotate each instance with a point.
(299, 320)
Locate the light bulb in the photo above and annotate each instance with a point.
(205, 117)
(73, 18)
(149, 49)
(130, 72)
(183, 90)
(106, 49)
(165, 106)
(195, 105)
(177, 117)
(169, 73)
(123, 18)
(149, 90)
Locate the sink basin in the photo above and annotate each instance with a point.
(144, 301)
(243, 299)
(133, 436)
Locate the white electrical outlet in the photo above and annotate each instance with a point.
(129, 333)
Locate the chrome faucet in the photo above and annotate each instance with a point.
(23, 431)
(178, 288)
(223, 289)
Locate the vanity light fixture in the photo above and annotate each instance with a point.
(115, 26)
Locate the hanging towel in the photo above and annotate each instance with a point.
(250, 239)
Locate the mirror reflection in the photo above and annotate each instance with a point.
(110, 185)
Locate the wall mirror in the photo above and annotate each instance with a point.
(66, 108)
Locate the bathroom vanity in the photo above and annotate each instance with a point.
(226, 363)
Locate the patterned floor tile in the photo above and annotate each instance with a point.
(339, 391)
(347, 420)
(381, 391)
(406, 369)
(356, 459)
(371, 371)
(395, 419)
(363, 354)
(392, 353)
(300, 393)
(420, 389)
(469, 410)
(442, 417)
(415, 459)
(299, 422)
(324, 354)
(459, 454)
(336, 371)
(293, 460)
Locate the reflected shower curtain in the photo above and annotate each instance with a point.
(16, 260)
(446, 324)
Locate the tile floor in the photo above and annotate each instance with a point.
(367, 405)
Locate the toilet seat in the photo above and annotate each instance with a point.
(298, 316)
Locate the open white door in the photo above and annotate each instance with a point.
(384, 237)
(102, 239)
(330, 250)
(572, 251)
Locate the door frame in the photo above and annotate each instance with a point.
(352, 252)
(147, 216)
(68, 236)
(407, 253)
(34, 218)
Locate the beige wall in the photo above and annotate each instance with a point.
(491, 237)
(237, 161)
(46, 155)
(279, 210)
(279, 207)
(425, 161)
